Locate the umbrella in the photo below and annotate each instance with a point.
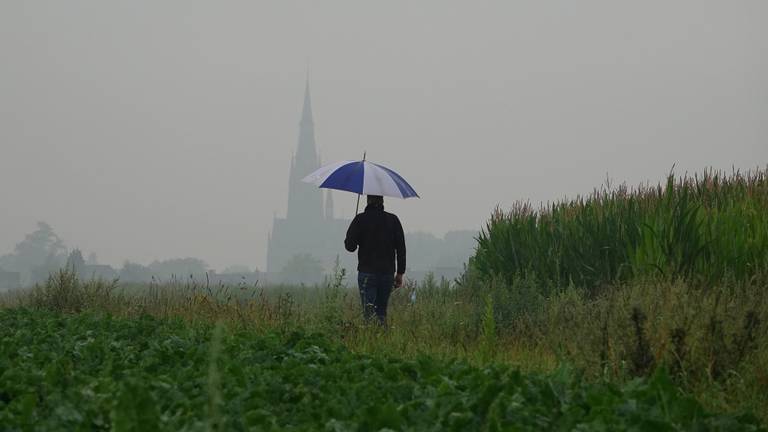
(363, 178)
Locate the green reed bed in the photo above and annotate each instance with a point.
(703, 228)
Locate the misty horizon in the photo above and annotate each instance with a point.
(147, 136)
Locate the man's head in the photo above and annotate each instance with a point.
(375, 200)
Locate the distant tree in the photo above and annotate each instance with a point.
(302, 268)
(38, 245)
(92, 259)
(41, 252)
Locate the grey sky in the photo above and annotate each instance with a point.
(145, 130)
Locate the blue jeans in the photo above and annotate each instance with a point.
(374, 294)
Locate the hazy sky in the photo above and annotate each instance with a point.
(154, 129)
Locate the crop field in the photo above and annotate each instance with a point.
(637, 309)
(91, 372)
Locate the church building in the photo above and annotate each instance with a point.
(309, 226)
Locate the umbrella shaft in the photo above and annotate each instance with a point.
(357, 208)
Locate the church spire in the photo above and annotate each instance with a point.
(306, 112)
(304, 202)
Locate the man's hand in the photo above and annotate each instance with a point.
(398, 280)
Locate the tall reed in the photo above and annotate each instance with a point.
(702, 228)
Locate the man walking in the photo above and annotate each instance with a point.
(381, 242)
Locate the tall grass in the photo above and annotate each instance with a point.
(705, 228)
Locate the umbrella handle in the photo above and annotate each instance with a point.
(357, 208)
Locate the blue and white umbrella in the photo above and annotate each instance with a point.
(363, 178)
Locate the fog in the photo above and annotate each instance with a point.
(146, 130)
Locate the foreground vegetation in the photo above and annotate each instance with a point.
(709, 343)
(92, 372)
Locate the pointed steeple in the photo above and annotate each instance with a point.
(306, 111)
(304, 201)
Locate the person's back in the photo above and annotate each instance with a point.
(378, 236)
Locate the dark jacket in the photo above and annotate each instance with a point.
(380, 237)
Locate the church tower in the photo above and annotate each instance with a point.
(305, 202)
(309, 226)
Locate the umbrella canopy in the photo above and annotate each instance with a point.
(362, 177)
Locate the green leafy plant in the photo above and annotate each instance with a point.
(94, 372)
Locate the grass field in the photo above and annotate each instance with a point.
(614, 343)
